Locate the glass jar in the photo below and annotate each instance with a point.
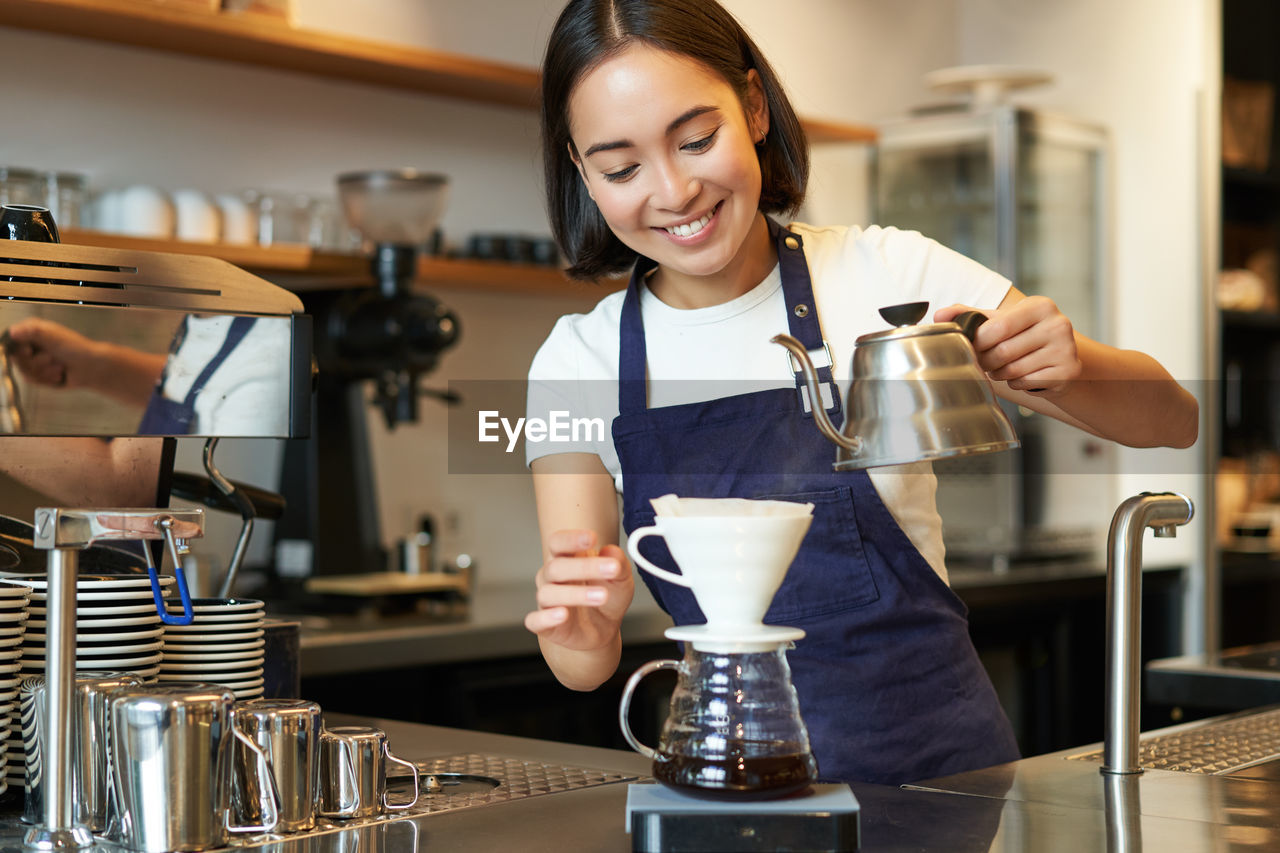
(65, 194)
(21, 186)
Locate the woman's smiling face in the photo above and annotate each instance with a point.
(667, 151)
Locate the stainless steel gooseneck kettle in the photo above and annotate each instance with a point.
(917, 393)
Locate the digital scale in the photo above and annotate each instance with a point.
(661, 820)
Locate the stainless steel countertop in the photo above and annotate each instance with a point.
(1164, 810)
(1047, 803)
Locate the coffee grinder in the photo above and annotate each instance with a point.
(386, 336)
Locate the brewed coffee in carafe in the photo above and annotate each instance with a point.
(734, 729)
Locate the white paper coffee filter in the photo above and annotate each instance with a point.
(669, 506)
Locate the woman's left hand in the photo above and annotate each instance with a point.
(1026, 342)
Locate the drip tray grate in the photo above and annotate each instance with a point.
(462, 781)
(1216, 748)
(470, 779)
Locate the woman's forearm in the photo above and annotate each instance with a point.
(585, 583)
(1122, 395)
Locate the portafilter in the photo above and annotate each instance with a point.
(917, 393)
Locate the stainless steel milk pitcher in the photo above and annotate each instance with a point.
(353, 773)
(288, 730)
(172, 754)
(87, 741)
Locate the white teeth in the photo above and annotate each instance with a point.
(690, 228)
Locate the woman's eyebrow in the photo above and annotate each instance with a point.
(687, 115)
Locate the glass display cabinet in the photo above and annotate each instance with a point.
(1024, 193)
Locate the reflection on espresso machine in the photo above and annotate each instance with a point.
(92, 331)
(79, 371)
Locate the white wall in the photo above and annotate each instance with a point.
(127, 116)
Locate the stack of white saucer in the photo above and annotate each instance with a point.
(13, 617)
(118, 629)
(223, 645)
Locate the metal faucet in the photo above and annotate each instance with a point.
(64, 533)
(1164, 511)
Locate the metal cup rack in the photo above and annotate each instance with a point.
(64, 533)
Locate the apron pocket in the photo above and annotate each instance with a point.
(831, 573)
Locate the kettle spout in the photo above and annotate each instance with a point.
(852, 444)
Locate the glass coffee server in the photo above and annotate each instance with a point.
(1024, 193)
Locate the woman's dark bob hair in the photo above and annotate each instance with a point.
(588, 33)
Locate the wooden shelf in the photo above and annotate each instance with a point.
(268, 42)
(264, 41)
(301, 268)
(828, 131)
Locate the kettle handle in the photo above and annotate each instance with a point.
(969, 321)
(634, 550)
(624, 707)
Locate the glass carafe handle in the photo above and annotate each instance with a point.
(624, 706)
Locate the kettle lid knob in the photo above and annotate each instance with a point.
(906, 314)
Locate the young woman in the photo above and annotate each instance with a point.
(667, 143)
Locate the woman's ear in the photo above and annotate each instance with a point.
(577, 163)
(757, 107)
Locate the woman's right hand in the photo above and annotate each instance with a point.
(583, 592)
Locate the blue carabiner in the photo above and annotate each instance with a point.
(188, 615)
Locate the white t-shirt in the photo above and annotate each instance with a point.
(725, 349)
(248, 393)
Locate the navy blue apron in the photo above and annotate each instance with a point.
(890, 686)
(176, 417)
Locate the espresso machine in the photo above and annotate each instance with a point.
(140, 305)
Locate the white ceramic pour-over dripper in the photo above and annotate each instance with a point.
(733, 555)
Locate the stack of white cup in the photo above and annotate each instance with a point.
(248, 218)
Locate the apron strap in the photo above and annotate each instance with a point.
(802, 318)
(240, 327)
(633, 394)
